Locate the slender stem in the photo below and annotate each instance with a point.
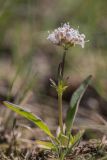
(60, 112)
(63, 61)
(60, 91)
(62, 65)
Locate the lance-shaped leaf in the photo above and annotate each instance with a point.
(45, 144)
(76, 138)
(63, 140)
(30, 116)
(74, 103)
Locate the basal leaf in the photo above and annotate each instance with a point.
(30, 116)
(76, 138)
(74, 103)
(45, 144)
(63, 139)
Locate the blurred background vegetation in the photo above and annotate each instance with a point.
(24, 26)
(28, 59)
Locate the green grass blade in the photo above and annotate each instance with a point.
(74, 103)
(30, 116)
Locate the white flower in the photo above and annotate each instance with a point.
(66, 35)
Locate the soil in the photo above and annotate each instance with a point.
(91, 150)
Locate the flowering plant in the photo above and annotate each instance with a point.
(64, 141)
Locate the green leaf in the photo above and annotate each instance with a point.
(30, 116)
(45, 144)
(74, 103)
(75, 139)
(63, 139)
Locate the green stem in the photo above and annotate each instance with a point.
(60, 112)
(63, 61)
(60, 92)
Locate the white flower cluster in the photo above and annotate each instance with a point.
(66, 35)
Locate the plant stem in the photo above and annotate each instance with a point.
(60, 112)
(60, 91)
(63, 61)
